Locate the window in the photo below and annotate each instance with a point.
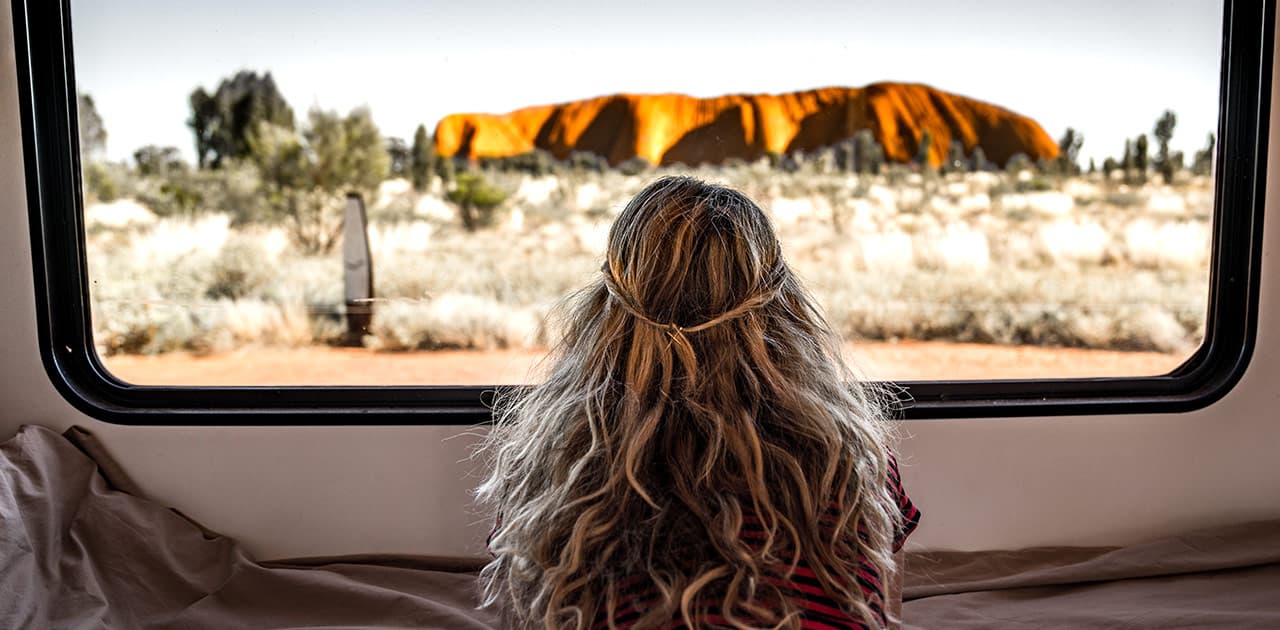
(1061, 221)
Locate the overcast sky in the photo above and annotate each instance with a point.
(1107, 68)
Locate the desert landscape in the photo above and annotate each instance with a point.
(932, 256)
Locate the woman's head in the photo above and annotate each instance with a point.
(689, 253)
(696, 385)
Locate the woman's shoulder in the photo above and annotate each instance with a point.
(906, 507)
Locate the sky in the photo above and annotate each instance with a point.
(1106, 68)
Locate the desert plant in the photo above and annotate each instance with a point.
(1141, 160)
(979, 162)
(307, 178)
(476, 199)
(1203, 161)
(868, 154)
(422, 159)
(156, 160)
(1017, 163)
(955, 162)
(1163, 132)
(99, 183)
(399, 158)
(924, 150)
(587, 161)
(1069, 152)
(93, 133)
(447, 168)
(224, 122)
(635, 166)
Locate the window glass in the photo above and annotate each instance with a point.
(999, 190)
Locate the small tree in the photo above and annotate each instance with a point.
(1018, 162)
(156, 160)
(99, 183)
(93, 134)
(868, 154)
(979, 160)
(923, 149)
(1202, 163)
(97, 180)
(306, 179)
(1163, 132)
(1140, 158)
(476, 199)
(846, 155)
(447, 168)
(400, 158)
(1172, 165)
(588, 162)
(1069, 152)
(635, 165)
(422, 159)
(955, 162)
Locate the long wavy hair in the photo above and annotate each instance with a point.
(697, 386)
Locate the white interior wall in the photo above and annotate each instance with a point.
(982, 484)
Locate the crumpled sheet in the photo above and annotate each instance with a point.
(81, 549)
(1227, 577)
(78, 553)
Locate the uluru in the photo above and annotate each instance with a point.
(675, 128)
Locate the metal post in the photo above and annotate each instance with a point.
(357, 270)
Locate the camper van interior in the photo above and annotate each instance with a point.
(274, 271)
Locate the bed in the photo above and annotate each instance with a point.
(80, 547)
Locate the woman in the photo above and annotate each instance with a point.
(699, 455)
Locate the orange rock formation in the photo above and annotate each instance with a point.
(672, 128)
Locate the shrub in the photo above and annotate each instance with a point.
(476, 199)
(99, 184)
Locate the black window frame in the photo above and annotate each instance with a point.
(46, 87)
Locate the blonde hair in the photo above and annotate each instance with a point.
(696, 385)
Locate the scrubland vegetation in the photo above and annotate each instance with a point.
(240, 250)
(989, 257)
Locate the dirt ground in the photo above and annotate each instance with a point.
(355, 366)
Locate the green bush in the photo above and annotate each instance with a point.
(99, 183)
(476, 199)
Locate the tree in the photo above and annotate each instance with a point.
(422, 159)
(400, 158)
(868, 155)
(1018, 162)
(1202, 163)
(955, 162)
(979, 159)
(93, 134)
(157, 160)
(923, 150)
(223, 122)
(1069, 152)
(306, 178)
(1163, 132)
(1140, 159)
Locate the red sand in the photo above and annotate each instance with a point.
(355, 366)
